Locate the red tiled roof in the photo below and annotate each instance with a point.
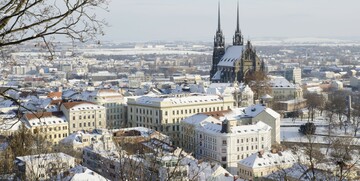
(56, 102)
(217, 114)
(30, 116)
(54, 94)
(69, 105)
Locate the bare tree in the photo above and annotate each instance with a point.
(356, 118)
(314, 102)
(338, 100)
(259, 82)
(25, 20)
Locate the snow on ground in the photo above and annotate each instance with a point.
(289, 131)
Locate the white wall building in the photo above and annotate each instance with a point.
(222, 140)
(283, 90)
(43, 166)
(115, 106)
(84, 116)
(164, 113)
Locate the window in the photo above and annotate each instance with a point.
(73, 117)
(223, 158)
(74, 125)
(99, 122)
(224, 142)
(79, 124)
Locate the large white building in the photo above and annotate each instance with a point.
(222, 140)
(164, 113)
(115, 106)
(84, 116)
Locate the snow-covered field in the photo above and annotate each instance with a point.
(289, 131)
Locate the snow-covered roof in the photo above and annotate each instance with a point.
(81, 173)
(217, 75)
(82, 106)
(49, 156)
(190, 99)
(46, 118)
(279, 81)
(232, 54)
(256, 109)
(268, 159)
(210, 124)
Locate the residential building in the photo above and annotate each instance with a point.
(293, 75)
(164, 113)
(283, 90)
(84, 116)
(113, 164)
(115, 105)
(80, 139)
(242, 94)
(263, 163)
(43, 166)
(52, 125)
(223, 140)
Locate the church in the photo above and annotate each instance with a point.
(233, 63)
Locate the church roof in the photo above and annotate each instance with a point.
(232, 54)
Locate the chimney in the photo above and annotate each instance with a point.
(225, 126)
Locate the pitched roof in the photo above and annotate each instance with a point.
(30, 116)
(217, 114)
(69, 105)
(54, 94)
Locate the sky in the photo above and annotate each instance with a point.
(196, 20)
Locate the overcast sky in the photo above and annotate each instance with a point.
(196, 20)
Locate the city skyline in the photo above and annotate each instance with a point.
(159, 20)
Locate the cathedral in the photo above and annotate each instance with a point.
(231, 64)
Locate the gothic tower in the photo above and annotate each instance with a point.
(238, 39)
(219, 46)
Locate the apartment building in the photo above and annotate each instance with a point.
(218, 139)
(264, 163)
(80, 139)
(43, 166)
(52, 125)
(164, 113)
(84, 116)
(283, 90)
(114, 164)
(115, 106)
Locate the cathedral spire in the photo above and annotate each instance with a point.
(237, 18)
(219, 25)
(238, 38)
(219, 39)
